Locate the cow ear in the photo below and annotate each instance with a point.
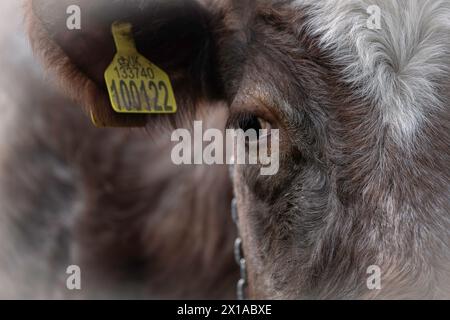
(175, 35)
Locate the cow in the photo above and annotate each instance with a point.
(362, 109)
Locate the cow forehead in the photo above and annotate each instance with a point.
(257, 49)
(402, 67)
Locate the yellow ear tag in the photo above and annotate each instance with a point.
(136, 85)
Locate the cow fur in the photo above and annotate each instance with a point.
(364, 124)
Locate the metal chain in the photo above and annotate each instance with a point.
(239, 255)
(242, 283)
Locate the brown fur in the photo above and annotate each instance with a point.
(347, 196)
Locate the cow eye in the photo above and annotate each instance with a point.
(252, 122)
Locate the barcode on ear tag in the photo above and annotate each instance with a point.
(135, 85)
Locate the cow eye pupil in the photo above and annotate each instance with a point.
(250, 122)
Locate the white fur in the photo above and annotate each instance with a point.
(401, 66)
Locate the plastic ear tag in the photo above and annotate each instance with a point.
(136, 85)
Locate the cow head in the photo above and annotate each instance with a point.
(363, 118)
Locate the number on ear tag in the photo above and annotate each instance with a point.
(136, 85)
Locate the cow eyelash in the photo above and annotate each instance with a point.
(248, 121)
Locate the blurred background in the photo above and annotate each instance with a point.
(68, 195)
(16, 61)
(24, 92)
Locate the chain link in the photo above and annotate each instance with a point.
(239, 255)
